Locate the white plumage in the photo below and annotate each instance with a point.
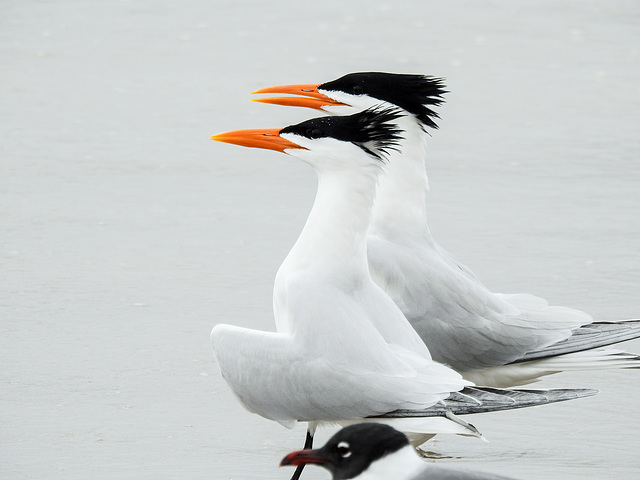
(465, 325)
(343, 349)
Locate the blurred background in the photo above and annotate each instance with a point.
(127, 234)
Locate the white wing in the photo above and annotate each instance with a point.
(464, 324)
(334, 364)
(276, 376)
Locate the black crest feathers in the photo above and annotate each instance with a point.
(416, 94)
(373, 130)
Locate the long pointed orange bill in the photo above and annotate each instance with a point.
(310, 97)
(268, 138)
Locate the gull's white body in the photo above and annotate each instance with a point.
(343, 349)
(404, 464)
(464, 324)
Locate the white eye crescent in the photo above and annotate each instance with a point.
(344, 449)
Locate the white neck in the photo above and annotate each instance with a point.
(401, 465)
(400, 204)
(332, 244)
(333, 237)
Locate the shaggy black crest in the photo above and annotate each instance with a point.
(354, 448)
(414, 93)
(373, 129)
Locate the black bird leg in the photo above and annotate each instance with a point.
(308, 443)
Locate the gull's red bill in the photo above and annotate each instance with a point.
(302, 457)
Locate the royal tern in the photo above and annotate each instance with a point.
(491, 338)
(343, 350)
(372, 451)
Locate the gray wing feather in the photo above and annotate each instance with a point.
(594, 335)
(487, 399)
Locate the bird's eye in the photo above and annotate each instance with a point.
(357, 90)
(315, 133)
(344, 449)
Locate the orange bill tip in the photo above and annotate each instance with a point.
(309, 102)
(308, 96)
(267, 138)
(309, 90)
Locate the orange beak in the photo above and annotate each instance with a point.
(268, 138)
(310, 98)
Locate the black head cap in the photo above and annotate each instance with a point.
(373, 129)
(414, 93)
(354, 448)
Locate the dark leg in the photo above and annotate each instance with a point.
(308, 443)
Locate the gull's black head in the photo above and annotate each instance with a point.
(373, 130)
(352, 450)
(416, 94)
